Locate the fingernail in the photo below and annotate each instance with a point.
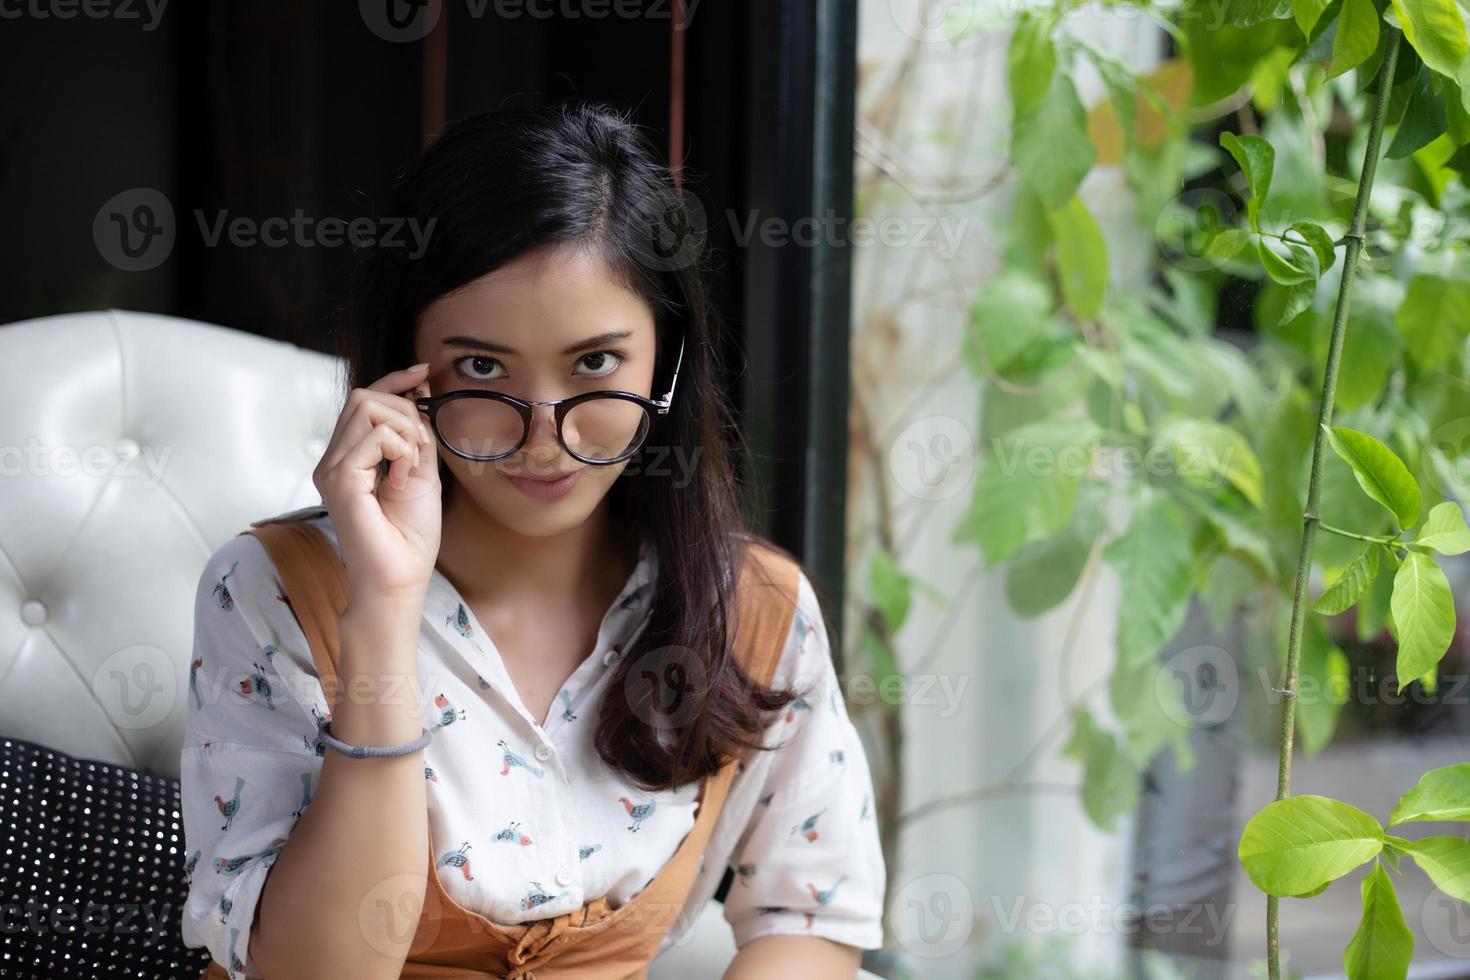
(418, 366)
(424, 433)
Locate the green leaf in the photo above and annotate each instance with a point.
(890, 589)
(1153, 561)
(1150, 705)
(1446, 860)
(1120, 79)
(1424, 117)
(1383, 945)
(880, 655)
(1373, 347)
(1457, 119)
(1296, 845)
(1436, 30)
(1299, 296)
(1205, 450)
(1045, 573)
(1373, 609)
(1284, 271)
(1322, 688)
(1010, 509)
(1356, 36)
(1237, 528)
(1227, 243)
(1030, 61)
(1248, 13)
(1317, 237)
(1257, 159)
(1050, 146)
(1440, 794)
(1010, 321)
(1424, 613)
(1351, 584)
(1157, 351)
(1239, 376)
(1307, 13)
(1109, 780)
(1444, 530)
(1027, 488)
(1434, 318)
(1229, 583)
(1082, 257)
(1381, 474)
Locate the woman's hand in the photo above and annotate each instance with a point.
(387, 526)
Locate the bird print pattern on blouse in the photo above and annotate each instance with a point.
(527, 820)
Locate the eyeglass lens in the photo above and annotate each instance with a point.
(595, 429)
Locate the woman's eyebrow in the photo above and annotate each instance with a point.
(476, 343)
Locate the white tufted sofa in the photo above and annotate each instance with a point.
(131, 447)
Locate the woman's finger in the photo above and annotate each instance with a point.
(383, 442)
(387, 390)
(358, 423)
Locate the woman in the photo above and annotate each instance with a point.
(490, 543)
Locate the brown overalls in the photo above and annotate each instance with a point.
(595, 942)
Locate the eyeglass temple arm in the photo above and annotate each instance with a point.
(668, 399)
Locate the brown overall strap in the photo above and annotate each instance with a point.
(314, 581)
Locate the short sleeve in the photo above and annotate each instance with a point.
(251, 758)
(809, 861)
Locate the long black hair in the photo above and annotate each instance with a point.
(502, 184)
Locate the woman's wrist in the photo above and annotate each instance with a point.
(380, 638)
(377, 674)
(382, 621)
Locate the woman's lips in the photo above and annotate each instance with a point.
(544, 489)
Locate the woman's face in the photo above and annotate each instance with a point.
(531, 329)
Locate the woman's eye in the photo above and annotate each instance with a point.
(602, 362)
(477, 364)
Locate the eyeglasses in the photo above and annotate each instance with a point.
(595, 427)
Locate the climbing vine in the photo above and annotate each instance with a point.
(1305, 476)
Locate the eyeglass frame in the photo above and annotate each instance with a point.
(430, 405)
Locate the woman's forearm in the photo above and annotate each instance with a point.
(342, 897)
(783, 955)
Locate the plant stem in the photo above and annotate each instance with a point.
(1310, 519)
(1373, 538)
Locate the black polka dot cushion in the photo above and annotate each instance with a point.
(92, 870)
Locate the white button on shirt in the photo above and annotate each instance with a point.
(515, 806)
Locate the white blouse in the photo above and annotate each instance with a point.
(528, 820)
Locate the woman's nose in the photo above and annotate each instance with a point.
(542, 436)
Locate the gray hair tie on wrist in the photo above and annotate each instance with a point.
(372, 751)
